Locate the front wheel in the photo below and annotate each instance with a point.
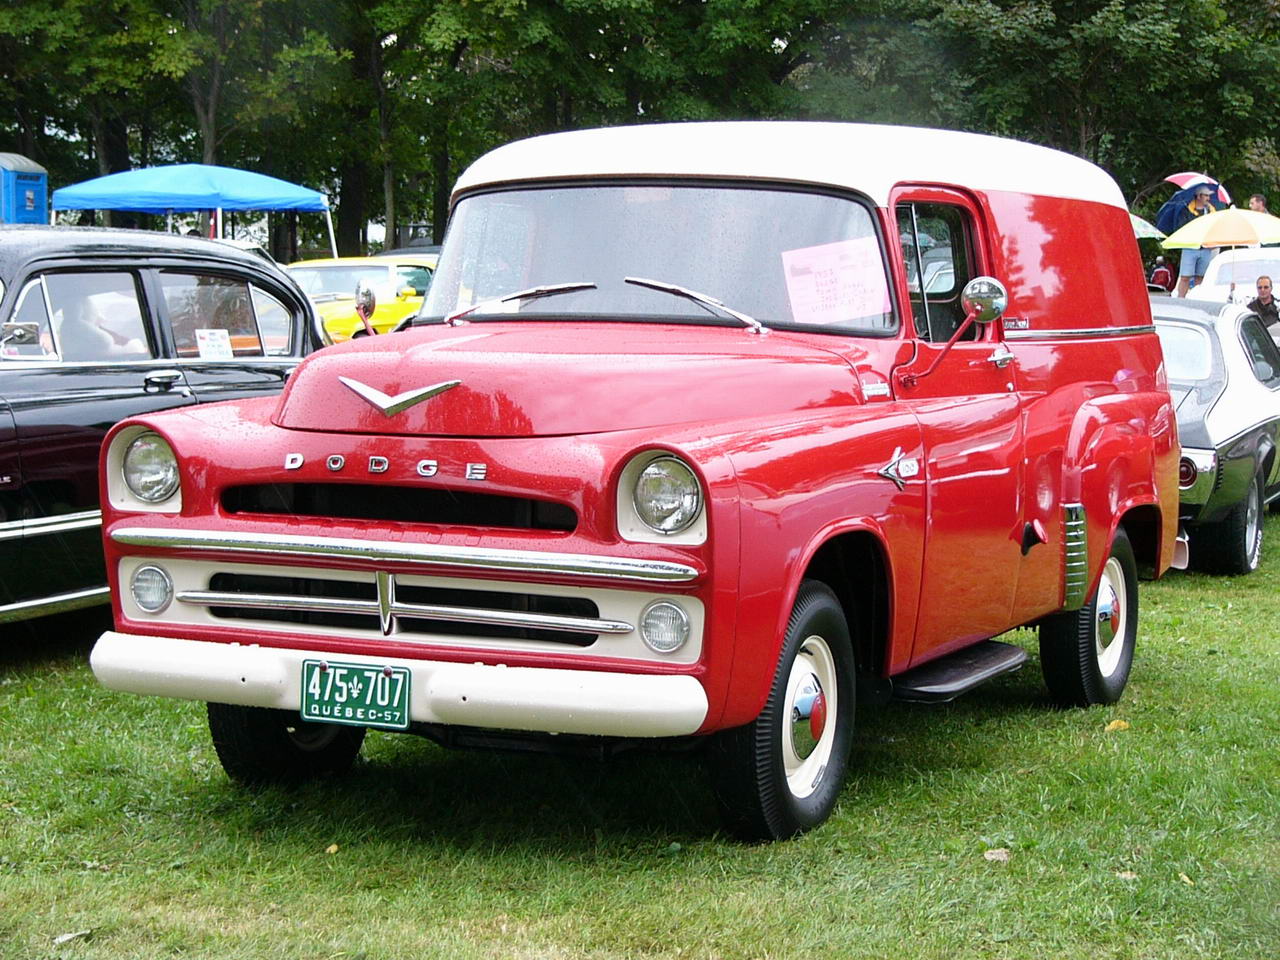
(1086, 654)
(257, 745)
(781, 774)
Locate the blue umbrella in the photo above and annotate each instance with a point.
(1167, 218)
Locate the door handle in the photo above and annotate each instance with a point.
(162, 379)
(1002, 356)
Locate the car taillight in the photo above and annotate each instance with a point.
(1187, 473)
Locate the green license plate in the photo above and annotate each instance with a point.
(358, 694)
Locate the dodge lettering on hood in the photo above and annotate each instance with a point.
(704, 434)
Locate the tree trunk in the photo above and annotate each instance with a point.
(351, 210)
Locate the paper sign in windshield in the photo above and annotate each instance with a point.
(214, 345)
(837, 282)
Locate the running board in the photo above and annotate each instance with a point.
(947, 677)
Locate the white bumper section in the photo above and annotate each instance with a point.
(467, 694)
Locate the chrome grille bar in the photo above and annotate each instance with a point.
(1075, 535)
(421, 554)
(398, 608)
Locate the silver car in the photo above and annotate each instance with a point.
(1224, 374)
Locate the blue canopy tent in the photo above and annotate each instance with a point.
(187, 187)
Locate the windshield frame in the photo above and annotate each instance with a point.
(698, 316)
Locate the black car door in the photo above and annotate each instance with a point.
(94, 360)
(10, 521)
(233, 336)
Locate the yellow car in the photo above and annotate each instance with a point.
(398, 282)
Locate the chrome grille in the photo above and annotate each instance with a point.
(380, 502)
(380, 604)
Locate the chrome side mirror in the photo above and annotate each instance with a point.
(366, 303)
(985, 299)
(19, 334)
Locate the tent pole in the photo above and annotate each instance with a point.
(219, 223)
(333, 243)
(168, 221)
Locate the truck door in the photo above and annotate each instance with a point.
(969, 412)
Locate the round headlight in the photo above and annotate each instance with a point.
(150, 469)
(664, 626)
(667, 496)
(152, 588)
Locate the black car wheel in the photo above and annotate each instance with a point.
(1087, 654)
(781, 774)
(1234, 543)
(258, 746)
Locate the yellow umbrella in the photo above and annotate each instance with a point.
(1225, 228)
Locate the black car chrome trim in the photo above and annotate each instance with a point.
(60, 523)
(1075, 536)
(61, 603)
(1079, 333)
(388, 609)
(425, 554)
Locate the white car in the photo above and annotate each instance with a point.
(1232, 275)
(1224, 375)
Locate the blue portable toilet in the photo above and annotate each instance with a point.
(24, 190)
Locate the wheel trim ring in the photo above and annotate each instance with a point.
(1253, 528)
(1111, 617)
(813, 660)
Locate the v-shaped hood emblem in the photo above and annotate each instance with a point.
(390, 406)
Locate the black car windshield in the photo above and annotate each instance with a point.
(786, 257)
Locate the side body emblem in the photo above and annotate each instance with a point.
(900, 468)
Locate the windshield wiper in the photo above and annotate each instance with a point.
(533, 293)
(755, 325)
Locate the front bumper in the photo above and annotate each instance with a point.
(466, 694)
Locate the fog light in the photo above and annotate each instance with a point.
(664, 626)
(152, 589)
(1187, 473)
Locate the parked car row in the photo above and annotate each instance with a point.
(699, 434)
(99, 325)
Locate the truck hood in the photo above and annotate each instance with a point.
(540, 378)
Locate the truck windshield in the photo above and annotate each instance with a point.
(784, 257)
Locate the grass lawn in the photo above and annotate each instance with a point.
(1159, 839)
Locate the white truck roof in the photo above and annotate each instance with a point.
(869, 158)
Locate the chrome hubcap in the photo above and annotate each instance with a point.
(811, 704)
(1109, 626)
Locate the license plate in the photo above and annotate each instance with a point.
(357, 694)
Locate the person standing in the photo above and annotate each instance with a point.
(1265, 305)
(1161, 275)
(1192, 266)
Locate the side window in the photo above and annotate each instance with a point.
(937, 246)
(1261, 349)
(417, 277)
(97, 316)
(28, 333)
(211, 316)
(275, 322)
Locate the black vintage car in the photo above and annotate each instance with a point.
(97, 325)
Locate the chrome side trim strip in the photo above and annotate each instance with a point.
(27, 609)
(1078, 333)
(392, 608)
(1075, 535)
(432, 555)
(61, 523)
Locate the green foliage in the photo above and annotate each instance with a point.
(384, 101)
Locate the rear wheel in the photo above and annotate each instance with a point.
(1086, 654)
(257, 745)
(1234, 543)
(781, 774)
